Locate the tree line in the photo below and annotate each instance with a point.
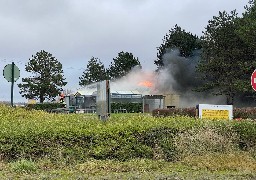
(227, 50)
(48, 79)
(120, 66)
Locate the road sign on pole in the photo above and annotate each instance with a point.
(11, 73)
(253, 80)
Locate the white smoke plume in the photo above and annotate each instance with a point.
(136, 80)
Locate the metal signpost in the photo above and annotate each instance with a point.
(11, 73)
(103, 100)
(253, 80)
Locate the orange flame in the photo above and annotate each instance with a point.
(146, 84)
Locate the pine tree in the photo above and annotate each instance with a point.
(47, 80)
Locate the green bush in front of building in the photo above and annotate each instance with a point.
(129, 107)
(45, 106)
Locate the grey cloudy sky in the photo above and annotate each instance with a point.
(75, 30)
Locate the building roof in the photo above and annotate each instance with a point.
(124, 92)
(92, 90)
(87, 91)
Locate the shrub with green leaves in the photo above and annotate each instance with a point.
(191, 112)
(205, 140)
(130, 107)
(238, 113)
(24, 166)
(32, 134)
(45, 106)
(245, 113)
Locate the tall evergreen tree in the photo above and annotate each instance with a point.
(226, 58)
(94, 72)
(247, 25)
(122, 65)
(179, 39)
(247, 33)
(47, 80)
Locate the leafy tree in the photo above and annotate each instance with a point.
(247, 33)
(247, 24)
(47, 80)
(178, 38)
(226, 58)
(122, 65)
(94, 72)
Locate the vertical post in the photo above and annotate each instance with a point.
(143, 104)
(108, 95)
(12, 83)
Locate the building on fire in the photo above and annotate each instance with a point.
(85, 100)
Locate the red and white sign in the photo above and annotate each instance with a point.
(253, 80)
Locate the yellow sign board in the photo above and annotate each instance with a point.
(215, 114)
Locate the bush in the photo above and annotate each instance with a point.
(24, 166)
(245, 113)
(78, 137)
(246, 131)
(191, 112)
(203, 140)
(130, 107)
(238, 113)
(45, 106)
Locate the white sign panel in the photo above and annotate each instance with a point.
(209, 111)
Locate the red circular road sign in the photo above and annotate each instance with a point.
(253, 80)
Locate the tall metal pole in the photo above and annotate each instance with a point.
(12, 83)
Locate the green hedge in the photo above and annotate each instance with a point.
(130, 107)
(243, 113)
(191, 112)
(45, 106)
(79, 137)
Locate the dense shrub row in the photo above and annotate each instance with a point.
(130, 107)
(45, 106)
(244, 113)
(78, 137)
(115, 107)
(191, 112)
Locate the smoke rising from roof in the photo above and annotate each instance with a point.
(136, 80)
(179, 76)
(181, 70)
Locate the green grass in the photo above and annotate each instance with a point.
(23, 165)
(205, 167)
